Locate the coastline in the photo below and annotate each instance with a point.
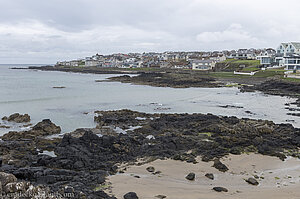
(86, 160)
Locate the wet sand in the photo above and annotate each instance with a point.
(278, 179)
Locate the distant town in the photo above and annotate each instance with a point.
(286, 56)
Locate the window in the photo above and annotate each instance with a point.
(291, 61)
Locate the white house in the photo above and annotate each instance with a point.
(218, 58)
(203, 64)
(91, 61)
(292, 62)
(74, 63)
(288, 55)
(267, 57)
(242, 54)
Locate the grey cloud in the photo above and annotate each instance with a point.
(46, 31)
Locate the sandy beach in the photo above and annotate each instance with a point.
(277, 179)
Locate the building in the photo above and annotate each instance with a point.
(242, 54)
(287, 55)
(286, 49)
(267, 58)
(74, 63)
(206, 64)
(91, 62)
(218, 58)
(292, 62)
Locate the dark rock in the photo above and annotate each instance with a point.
(190, 176)
(130, 195)
(69, 189)
(157, 172)
(220, 166)
(220, 189)
(230, 106)
(49, 179)
(174, 79)
(6, 178)
(43, 128)
(160, 196)
(150, 169)
(18, 118)
(191, 160)
(114, 169)
(252, 181)
(210, 176)
(47, 126)
(82, 162)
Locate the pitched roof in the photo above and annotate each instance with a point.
(285, 45)
(296, 44)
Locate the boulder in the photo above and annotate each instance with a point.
(130, 195)
(47, 127)
(16, 187)
(220, 166)
(43, 128)
(252, 181)
(160, 196)
(6, 178)
(150, 169)
(220, 189)
(190, 176)
(209, 176)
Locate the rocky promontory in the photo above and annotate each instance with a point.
(171, 79)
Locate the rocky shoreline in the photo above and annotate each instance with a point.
(187, 78)
(171, 79)
(79, 162)
(92, 70)
(277, 87)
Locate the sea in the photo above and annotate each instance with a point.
(72, 107)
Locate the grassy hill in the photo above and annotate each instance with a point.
(237, 65)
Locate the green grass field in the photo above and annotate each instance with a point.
(241, 62)
(239, 65)
(268, 73)
(262, 74)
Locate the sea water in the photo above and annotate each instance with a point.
(32, 92)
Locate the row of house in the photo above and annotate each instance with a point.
(191, 60)
(286, 55)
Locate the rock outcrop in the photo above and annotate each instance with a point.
(43, 128)
(18, 118)
(83, 161)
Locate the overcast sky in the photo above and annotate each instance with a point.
(45, 31)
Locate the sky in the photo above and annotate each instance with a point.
(47, 31)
